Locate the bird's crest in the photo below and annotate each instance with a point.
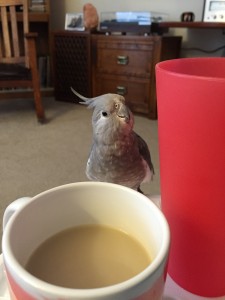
(86, 101)
(97, 101)
(92, 102)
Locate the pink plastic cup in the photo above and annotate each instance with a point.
(191, 124)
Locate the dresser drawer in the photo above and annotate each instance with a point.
(131, 58)
(136, 91)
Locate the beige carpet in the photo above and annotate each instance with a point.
(36, 157)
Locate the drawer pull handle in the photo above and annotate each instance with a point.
(121, 90)
(122, 60)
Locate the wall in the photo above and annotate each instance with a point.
(207, 39)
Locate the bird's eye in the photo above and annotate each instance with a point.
(104, 114)
(116, 105)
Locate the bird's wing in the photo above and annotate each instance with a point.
(144, 151)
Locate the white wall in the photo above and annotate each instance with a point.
(208, 39)
(172, 7)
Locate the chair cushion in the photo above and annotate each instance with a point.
(14, 72)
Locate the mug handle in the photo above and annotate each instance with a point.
(12, 208)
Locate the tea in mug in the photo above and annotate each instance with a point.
(88, 256)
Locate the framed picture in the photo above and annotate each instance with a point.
(74, 22)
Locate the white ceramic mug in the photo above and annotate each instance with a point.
(28, 222)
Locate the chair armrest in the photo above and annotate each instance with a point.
(31, 38)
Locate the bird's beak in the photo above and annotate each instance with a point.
(124, 112)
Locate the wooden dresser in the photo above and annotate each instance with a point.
(125, 65)
(122, 64)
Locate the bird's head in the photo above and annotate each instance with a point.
(110, 114)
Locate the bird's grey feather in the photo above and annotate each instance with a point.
(145, 153)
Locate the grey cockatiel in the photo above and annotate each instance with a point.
(118, 154)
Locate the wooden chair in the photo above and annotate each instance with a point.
(18, 58)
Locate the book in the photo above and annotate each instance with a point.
(42, 68)
(37, 1)
(37, 7)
